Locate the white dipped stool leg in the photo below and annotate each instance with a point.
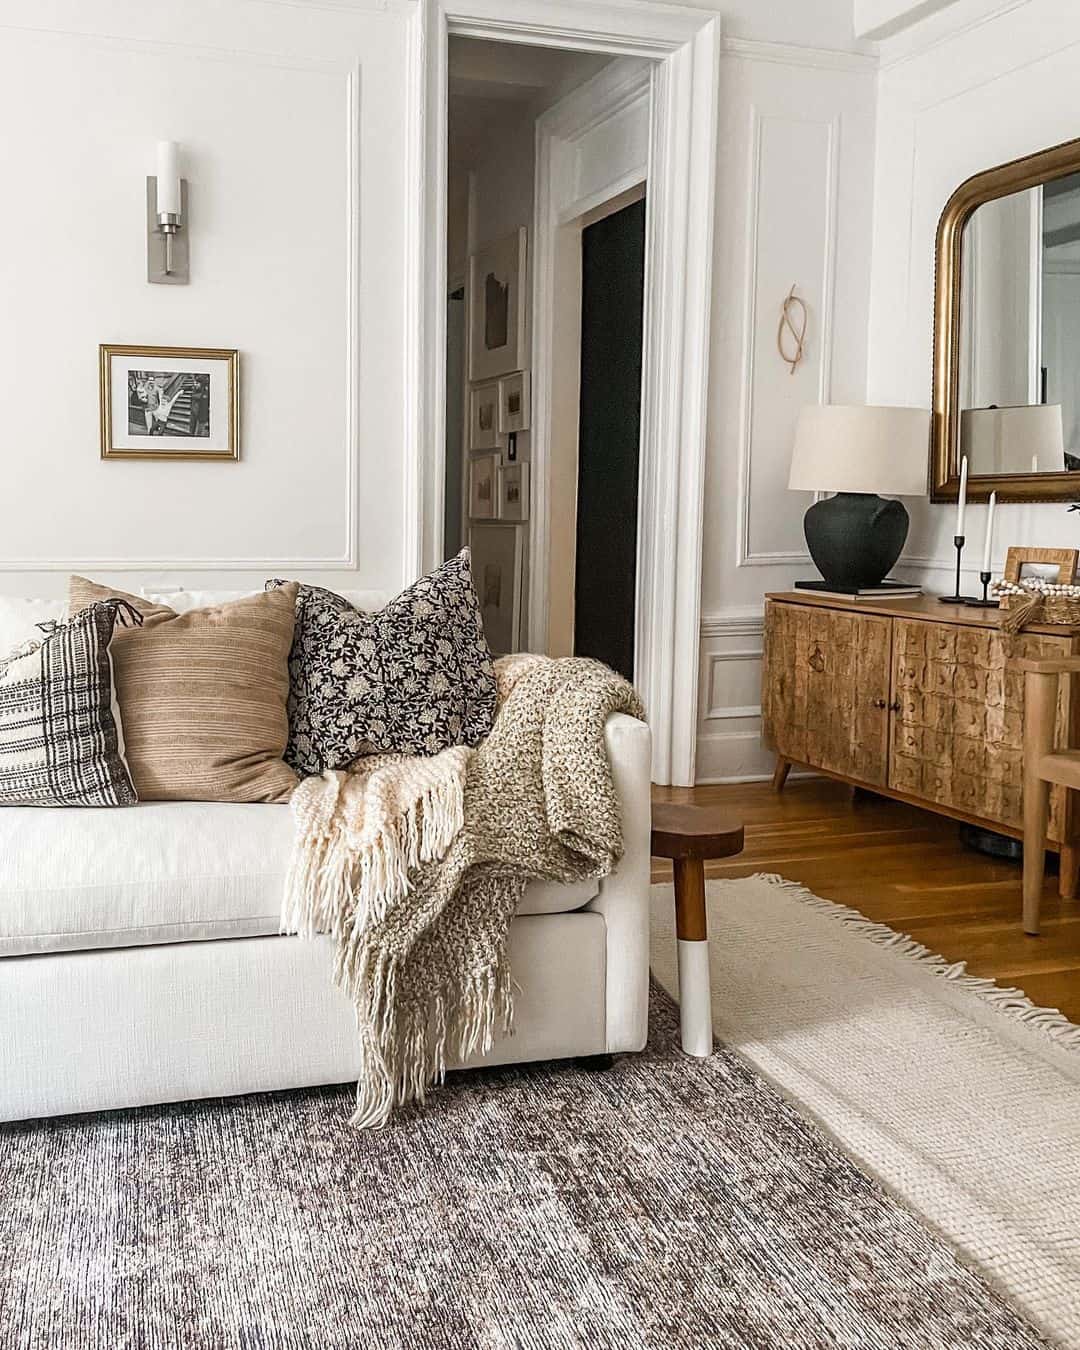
(695, 996)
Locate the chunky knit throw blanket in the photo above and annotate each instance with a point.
(416, 867)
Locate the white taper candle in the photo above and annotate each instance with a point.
(168, 177)
(989, 532)
(961, 501)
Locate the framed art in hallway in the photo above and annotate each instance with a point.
(496, 569)
(514, 402)
(484, 416)
(514, 492)
(497, 308)
(483, 487)
(169, 402)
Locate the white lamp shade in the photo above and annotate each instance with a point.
(858, 449)
(1013, 440)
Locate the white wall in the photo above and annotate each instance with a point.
(1001, 88)
(292, 120)
(496, 169)
(793, 206)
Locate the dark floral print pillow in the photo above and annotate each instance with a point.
(413, 678)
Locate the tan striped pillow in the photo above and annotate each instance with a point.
(202, 695)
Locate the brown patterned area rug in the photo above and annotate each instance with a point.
(665, 1202)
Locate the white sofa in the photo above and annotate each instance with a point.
(140, 961)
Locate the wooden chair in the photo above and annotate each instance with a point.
(1043, 766)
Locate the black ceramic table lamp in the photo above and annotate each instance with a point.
(856, 536)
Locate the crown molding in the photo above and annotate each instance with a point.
(937, 32)
(790, 54)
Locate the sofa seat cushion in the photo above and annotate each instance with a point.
(159, 872)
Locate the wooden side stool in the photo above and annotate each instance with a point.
(689, 835)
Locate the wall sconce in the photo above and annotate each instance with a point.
(167, 220)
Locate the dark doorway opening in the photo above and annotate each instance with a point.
(612, 302)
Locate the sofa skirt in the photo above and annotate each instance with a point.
(97, 1030)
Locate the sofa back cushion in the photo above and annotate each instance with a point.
(413, 678)
(203, 696)
(60, 735)
(181, 599)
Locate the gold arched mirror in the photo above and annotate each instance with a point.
(1007, 333)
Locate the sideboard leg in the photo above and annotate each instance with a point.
(1069, 872)
(780, 773)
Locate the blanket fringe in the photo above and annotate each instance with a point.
(1012, 1002)
(422, 1038)
(337, 882)
(421, 835)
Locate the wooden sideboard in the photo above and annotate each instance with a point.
(913, 699)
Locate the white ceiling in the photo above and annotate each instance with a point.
(493, 83)
(513, 73)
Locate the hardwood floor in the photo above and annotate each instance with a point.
(904, 867)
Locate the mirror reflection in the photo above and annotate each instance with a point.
(1020, 332)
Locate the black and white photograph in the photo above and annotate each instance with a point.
(169, 402)
(497, 308)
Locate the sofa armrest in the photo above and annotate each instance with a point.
(624, 895)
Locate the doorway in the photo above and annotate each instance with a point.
(609, 437)
(681, 108)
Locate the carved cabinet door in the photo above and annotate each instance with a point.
(958, 733)
(826, 689)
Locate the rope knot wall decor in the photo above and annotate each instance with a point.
(791, 335)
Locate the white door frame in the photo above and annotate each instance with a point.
(678, 285)
(573, 186)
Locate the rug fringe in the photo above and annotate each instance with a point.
(1011, 1002)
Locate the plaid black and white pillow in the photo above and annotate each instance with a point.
(61, 742)
(414, 678)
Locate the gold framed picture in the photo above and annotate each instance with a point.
(1057, 565)
(169, 402)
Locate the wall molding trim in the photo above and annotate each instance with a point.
(744, 553)
(740, 623)
(790, 54)
(913, 44)
(347, 560)
(725, 713)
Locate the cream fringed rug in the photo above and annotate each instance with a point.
(962, 1098)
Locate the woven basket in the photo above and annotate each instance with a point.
(1047, 608)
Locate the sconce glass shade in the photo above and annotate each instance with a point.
(168, 178)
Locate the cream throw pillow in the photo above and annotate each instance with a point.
(203, 695)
